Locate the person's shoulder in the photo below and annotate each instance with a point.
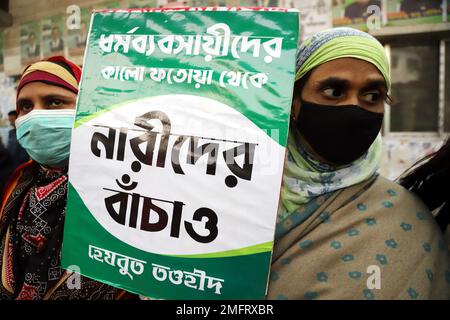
(400, 206)
(403, 230)
(395, 192)
(13, 180)
(25, 168)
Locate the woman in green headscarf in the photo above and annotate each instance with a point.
(343, 231)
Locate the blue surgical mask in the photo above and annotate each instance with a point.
(45, 135)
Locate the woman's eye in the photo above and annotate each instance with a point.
(372, 97)
(332, 93)
(25, 107)
(55, 103)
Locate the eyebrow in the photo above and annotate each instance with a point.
(332, 82)
(344, 83)
(22, 100)
(48, 96)
(375, 84)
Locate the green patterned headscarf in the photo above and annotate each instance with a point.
(304, 177)
(338, 43)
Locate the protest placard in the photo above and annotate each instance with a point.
(178, 150)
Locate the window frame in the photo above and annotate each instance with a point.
(388, 38)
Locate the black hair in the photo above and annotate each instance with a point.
(429, 179)
(12, 113)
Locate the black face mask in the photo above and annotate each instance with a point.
(340, 134)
